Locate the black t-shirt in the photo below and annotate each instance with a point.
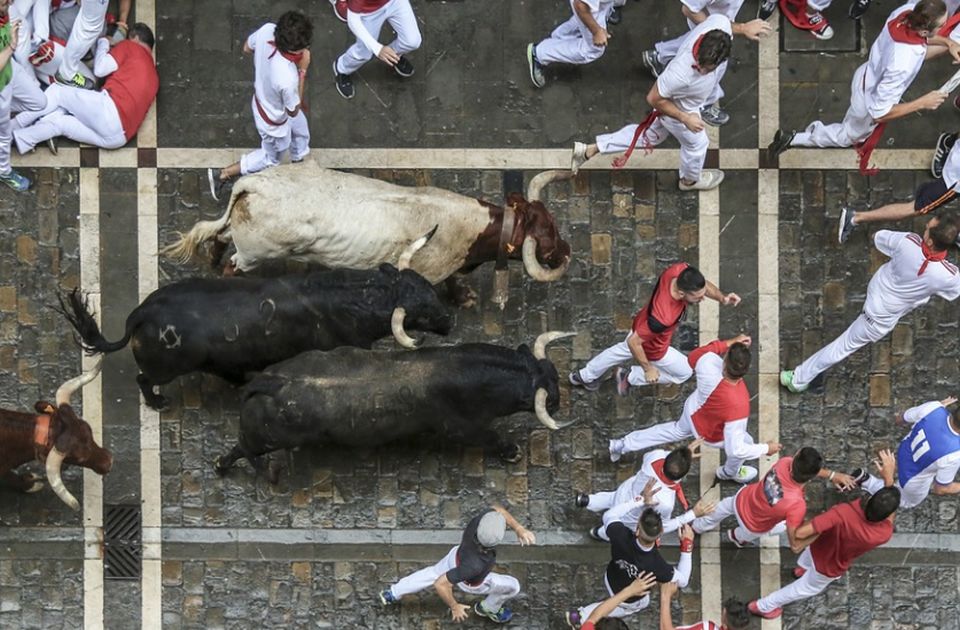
(628, 560)
(473, 561)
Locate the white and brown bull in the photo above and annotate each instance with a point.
(312, 214)
(55, 435)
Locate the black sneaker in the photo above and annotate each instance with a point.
(576, 379)
(781, 142)
(344, 83)
(595, 534)
(846, 224)
(216, 184)
(859, 476)
(581, 500)
(858, 8)
(403, 67)
(767, 7)
(616, 16)
(944, 145)
(651, 61)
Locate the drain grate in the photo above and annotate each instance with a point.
(122, 544)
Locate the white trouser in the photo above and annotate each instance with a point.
(668, 49)
(693, 145)
(572, 41)
(85, 116)
(673, 365)
(818, 5)
(623, 610)
(682, 429)
(27, 95)
(6, 96)
(911, 495)
(496, 586)
(810, 584)
(862, 331)
(294, 136)
(86, 30)
(34, 16)
(856, 126)
(400, 15)
(728, 507)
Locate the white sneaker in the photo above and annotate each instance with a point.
(745, 474)
(709, 179)
(616, 450)
(579, 156)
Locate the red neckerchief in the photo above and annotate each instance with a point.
(865, 149)
(673, 485)
(949, 25)
(929, 256)
(293, 57)
(4, 19)
(696, 52)
(621, 161)
(903, 34)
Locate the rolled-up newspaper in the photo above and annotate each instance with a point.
(952, 84)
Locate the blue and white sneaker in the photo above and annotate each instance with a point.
(501, 616)
(15, 181)
(387, 597)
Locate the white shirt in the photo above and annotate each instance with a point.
(595, 5)
(276, 81)
(890, 69)
(680, 82)
(951, 168)
(729, 8)
(896, 289)
(629, 507)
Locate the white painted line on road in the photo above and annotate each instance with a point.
(767, 337)
(150, 494)
(92, 405)
(711, 596)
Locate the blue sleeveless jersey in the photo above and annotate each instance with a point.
(929, 440)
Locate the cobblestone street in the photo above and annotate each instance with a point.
(314, 550)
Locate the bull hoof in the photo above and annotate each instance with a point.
(511, 455)
(273, 472)
(219, 467)
(157, 402)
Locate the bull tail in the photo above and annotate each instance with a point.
(80, 316)
(189, 246)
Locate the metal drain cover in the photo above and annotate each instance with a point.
(122, 542)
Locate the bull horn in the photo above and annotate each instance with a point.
(413, 248)
(533, 266)
(540, 407)
(65, 391)
(54, 463)
(540, 180)
(396, 325)
(540, 345)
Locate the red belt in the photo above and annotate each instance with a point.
(263, 114)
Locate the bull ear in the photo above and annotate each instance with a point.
(42, 406)
(389, 270)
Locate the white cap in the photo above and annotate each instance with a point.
(491, 529)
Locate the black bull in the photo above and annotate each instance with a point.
(232, 327)
(359, 398)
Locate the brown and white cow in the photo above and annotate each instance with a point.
(53, 434)
(312, 214)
